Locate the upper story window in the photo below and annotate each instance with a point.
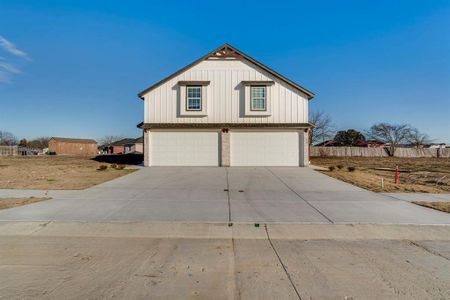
(194, 98)
(258, 97)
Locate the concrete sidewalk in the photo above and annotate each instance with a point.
(73, 260)
(222, 195)
(21, 193)
(410, 197)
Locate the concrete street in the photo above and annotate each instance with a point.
(89, 260)
(208, 194)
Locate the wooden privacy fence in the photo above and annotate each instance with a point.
(8, 150)
(16, 150)
(379, 152)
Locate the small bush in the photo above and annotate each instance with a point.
(331, 168)
(120, 167)
(113, 166)
(339, 167)
(51, 153)
(351, 169)
(102, 168)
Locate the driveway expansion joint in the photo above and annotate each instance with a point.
(428, 250)
(228, 197)
(282, 263)
(298, 195)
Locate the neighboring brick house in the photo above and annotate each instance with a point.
(72, 146)
(139, 145)
(124, 146)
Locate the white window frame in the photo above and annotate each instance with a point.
(182, 99)
(200, 98)
(249, 110)
(264, 97)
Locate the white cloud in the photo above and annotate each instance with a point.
(8, 67)
(11, 48)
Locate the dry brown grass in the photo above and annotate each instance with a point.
(442, 206)
(53, 172)
(426, 175)
(13, 202)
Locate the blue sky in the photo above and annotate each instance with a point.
(73, 68)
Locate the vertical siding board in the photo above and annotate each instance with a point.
(215, 93)
(164, 102)
(227, 95)
(157, 105)
(146, 108)
(282, 105)
(220, 90)
(274, 101)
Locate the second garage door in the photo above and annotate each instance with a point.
(264, 148)
(184, 148)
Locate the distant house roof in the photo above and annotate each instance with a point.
(325, 143)
(74, 140)
(125, 141)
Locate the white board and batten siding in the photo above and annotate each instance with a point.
(225, 96)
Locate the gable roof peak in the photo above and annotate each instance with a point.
(227, 51)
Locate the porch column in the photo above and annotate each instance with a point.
(146, 147)
(304, 147)
(225, 148)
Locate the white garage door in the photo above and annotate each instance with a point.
(184, 148)
(264, 148)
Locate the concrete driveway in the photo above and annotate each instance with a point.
(206, 194)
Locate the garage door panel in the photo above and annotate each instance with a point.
(184, 149)
(264, 149)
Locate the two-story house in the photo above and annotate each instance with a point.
(225, 109)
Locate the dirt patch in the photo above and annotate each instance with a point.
(442, 206)
(13, 202)
(54, 172)
(425, 175)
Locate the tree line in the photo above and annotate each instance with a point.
(393, 135)
(9, 139)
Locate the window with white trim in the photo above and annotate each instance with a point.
(258, 98)
(193, 98)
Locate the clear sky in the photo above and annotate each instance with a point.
(73, 68)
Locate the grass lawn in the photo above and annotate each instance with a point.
(442, 206)
(53, 172)
(13, 202)
(425, 175)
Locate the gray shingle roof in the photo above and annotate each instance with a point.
(74, 140)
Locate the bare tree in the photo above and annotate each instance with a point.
(39, 143)
(323, 127)
(418, 138)
(7, 138)
(109, 139)
(393, 135)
